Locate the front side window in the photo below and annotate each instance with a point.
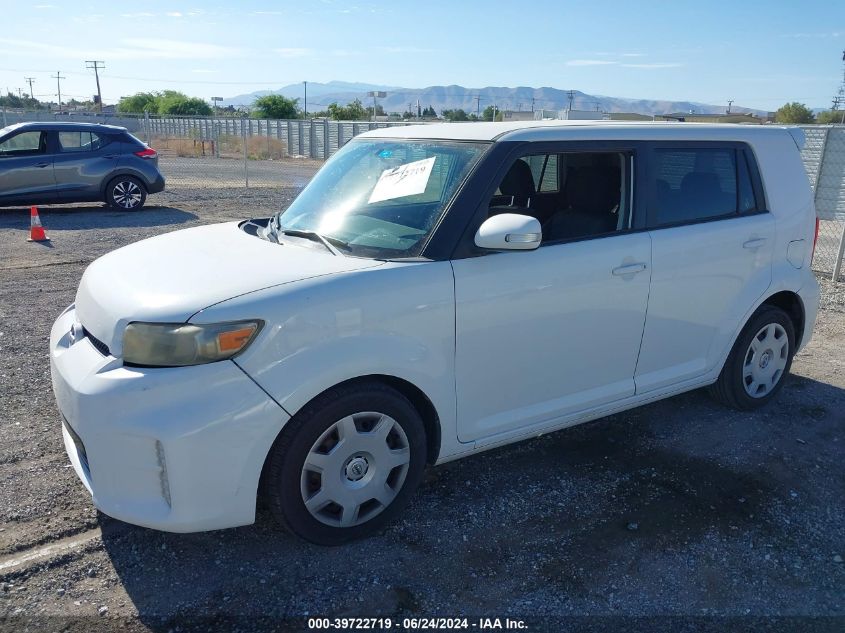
(24, 144)
(700, 184)
(382, 198)
(574, 195)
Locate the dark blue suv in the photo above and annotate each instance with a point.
(47, 163)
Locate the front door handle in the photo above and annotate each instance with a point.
(41, 165)
(628, 269)
(754, 243)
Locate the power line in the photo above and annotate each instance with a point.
(97, 66)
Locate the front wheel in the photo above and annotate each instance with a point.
(346, 464)
(127, 193)
(759, 361)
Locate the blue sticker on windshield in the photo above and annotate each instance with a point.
(385, 153)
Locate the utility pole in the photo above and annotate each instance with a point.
(97, 66)
(29, 80)
(58, 77)
(305, 101)
(730, 103)
(839, 99)
(477, 106)
(571, 95)
(532, 103)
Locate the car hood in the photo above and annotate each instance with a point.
(171, 277)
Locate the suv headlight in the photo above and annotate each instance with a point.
(181, 344)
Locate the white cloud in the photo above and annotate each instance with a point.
(173, 14)
(633, 54)
(293, 52)
(131, 48)
(818, 36)
(654, 66)
(141, 14)
(590, 62)
(406, 50)
(45, 6)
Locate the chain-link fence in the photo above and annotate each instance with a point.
(824, 159)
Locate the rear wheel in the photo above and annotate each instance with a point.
(126, 192)
(346, 464)
(759, 361)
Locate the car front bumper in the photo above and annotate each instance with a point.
(177, 449)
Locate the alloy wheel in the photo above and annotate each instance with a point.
(127, 194)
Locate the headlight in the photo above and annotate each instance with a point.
(180, 344)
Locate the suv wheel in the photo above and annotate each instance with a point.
(759, 361)
(346, 464)
(126, 192)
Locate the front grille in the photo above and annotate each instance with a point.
(97, 343)
(80, 447)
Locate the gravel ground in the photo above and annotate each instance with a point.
(680, 508)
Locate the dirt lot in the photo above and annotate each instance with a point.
(681, 508)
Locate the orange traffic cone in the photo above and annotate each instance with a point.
(36, 231)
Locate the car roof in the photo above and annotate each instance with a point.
(54, 126)
(579, 130)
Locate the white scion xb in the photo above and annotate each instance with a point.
(433, 292)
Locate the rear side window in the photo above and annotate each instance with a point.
(699, 184)
(81, 141)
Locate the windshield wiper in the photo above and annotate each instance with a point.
(328, 242)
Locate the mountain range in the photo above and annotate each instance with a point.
(399, 99)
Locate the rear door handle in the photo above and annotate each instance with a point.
(628, 269)
(754, 243)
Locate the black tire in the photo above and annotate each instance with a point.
(730, 388)
(284, 474)
(126, 193)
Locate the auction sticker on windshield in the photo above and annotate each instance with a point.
(405, 180)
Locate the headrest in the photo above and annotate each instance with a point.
(518, 181)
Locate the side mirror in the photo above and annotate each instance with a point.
(509, 232)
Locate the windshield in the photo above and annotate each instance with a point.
(381, 198)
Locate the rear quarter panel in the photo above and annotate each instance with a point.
(790, 200)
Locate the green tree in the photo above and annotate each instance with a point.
(187, 106)
(276, 107)
(829, 116)
(139, 102)
(487, 115)
(794, 113)
(429, 111)
(455, 115)
(353, 111)
(24, 101)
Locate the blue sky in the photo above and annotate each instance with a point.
(760, 54)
